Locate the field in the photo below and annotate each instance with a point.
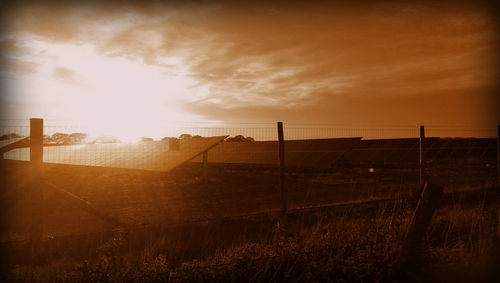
(345, 221)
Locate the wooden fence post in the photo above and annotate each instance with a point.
(281, 145)
(205, 165)
(422, 163)
(429, 200)
(498, 154)
(37, 194)
(498, 224)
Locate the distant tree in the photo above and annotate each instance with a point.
(240, 138)
(62, 138)
(106, 139)
(77, 138)
(59, 138)
(185, 136)
(145, 139)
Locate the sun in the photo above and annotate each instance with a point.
(113, 95)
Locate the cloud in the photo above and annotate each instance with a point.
(271, 58)
(457, 106)
(11, 58)
(64, 74)
(16, 66)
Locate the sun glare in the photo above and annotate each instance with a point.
(110, 95)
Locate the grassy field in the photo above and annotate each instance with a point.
(182, 228)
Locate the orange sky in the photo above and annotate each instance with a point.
(384, 63)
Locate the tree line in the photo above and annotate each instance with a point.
(81, 138)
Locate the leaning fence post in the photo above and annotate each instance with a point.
(493, 255)
(422, 164)
(36, 168)
(281, 146)
(429, 200)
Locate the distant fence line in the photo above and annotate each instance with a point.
(315, 146)
(264, 131)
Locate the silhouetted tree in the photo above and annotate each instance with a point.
(240, 138)
(106, 139)
(61, 138)
(76, 138)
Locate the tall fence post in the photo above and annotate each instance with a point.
(498, 154)
(36, 168)
(281, 144)
(422, 163)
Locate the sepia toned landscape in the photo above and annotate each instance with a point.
(247, 141)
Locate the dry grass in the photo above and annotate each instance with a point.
(348, 244)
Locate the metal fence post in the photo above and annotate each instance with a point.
(281, 144)
(37, 194)
(422, 163)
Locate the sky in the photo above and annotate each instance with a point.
(137, 67)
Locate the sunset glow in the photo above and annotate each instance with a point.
(107, 95)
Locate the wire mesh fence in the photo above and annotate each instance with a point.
(321, 148)
(326, 167)
(324, 164)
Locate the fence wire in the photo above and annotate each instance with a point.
(357, 153)
(324, 164)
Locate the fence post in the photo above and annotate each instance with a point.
(205, 165)
(498, 224)
(422, 164)
(493, 255)
(281, 145)
(498, 154)
(427, 204)
(37, 194)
